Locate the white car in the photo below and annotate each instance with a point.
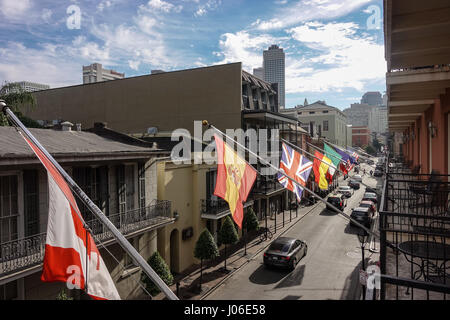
(346, 191)
(357, 177)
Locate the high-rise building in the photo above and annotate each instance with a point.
(273, 64)
(26, 86)
(358, 114)
(372, 98)
(95, 73)
(259, 72)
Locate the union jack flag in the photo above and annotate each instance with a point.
(296, 167)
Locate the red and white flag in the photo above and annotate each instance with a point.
(71, 255)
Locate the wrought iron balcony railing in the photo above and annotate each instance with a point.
(414, 226)
(27, 252)
(266, 186)
(214, 206)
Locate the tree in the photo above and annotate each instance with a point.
(228, 235)
(249, 223)
(162, 269)
(205, 248)
(370, 150)
(16, 98)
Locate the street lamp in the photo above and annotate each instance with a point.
(362, 237)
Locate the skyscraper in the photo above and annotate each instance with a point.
(273, 64)
(372, 98)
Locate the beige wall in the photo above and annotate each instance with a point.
(185, 186)
(166, 100)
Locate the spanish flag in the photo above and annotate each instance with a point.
(320, 170)
(235, 178)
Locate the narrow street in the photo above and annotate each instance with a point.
(330, 269)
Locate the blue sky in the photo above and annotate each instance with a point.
(334, 48)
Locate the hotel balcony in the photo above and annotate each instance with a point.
(267, 186)
(414, 226)
(217, 208)
(25, 256)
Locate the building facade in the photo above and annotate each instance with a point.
(378, 119)
(330, 122)
(96, 73)
(372, 98)
(361, 136)
(225, 95)
(259, 72)
(358, 114)
(117, 172)
(26, 86)
(274, 70)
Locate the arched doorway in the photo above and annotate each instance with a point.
(174, 251)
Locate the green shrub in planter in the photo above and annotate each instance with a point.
(162, 269)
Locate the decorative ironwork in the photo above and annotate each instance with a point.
(28, 252)
(414, 228)
(214, 206)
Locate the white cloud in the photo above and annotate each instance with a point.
(46, 65)
(163, 6)
(14, 9)
(210, 5)
(341, 59)
(46, 15)
(308, 10)
(134, 64)
(104, 4)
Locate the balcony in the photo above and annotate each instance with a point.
(415, 237)
(267, 186)
(217, 208)
(28, 253)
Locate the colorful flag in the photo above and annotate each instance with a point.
(353, 154)
(71, 255)
(296, 167)
(334, 157)
(347, 159)
(235, 178)
(320, 169)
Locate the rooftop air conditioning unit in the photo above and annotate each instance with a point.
(152, 130)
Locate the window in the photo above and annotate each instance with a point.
(9, 211)
(325, 125)
(9, 291)
(312, 112)
(325, 111)
(31, 202)
(141, 177)
(94, 182)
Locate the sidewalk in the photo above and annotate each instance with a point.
(214, 274)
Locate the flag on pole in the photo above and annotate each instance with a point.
(320, 169)
(71, 255)
(235, 178)
(353, 154)
(295, 166)
(334, 157)
(349, 161)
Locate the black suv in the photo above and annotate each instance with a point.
(362, 216)
(337, 200)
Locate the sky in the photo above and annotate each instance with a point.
(334, 48)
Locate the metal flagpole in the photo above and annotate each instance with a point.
(300, 149)
(137, 258)
(293, 180)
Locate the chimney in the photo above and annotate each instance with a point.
(99, 125)
(66, 126)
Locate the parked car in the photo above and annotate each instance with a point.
(371, 197)
(337, 200)
(369, 204)
(370, 162)
(371, 190)
(378, 173)
(354, 184)
(362, 216)
(357, 177)
(285, 252)
(346, 191)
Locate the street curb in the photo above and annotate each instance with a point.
(210, 291)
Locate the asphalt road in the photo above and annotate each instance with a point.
(330, 270)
